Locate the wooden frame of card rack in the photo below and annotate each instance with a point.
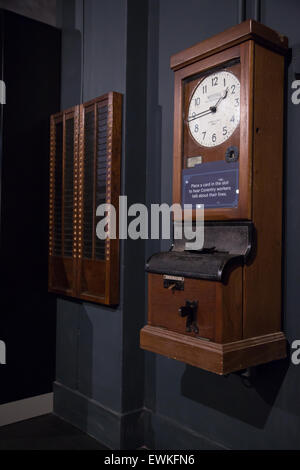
(85, 160)
(220, 309)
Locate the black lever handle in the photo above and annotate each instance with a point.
(189, 310)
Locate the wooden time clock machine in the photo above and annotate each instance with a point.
(219, 308)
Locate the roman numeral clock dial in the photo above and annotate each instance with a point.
(214, 109)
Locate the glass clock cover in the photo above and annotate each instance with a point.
(214, 109)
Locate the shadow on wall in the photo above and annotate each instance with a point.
(249, 399)
(74, 363)
(85, 365)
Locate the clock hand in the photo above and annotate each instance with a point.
(196, 116)
(222, 97)
(210, 110)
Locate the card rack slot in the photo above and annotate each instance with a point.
(101, 168)
(57, 203)
(88, 196)
(69, 187)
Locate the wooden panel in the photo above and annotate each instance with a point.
(92, 279)
(163, 305)
(220, 306)
(214, 357)
(85, 165)
(63, 196)
(99, 183)
(113, 190)
(262, 277)
(254, 351)
(61, 275)
(193, 351)
(229, 314)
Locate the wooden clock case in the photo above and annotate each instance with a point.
(234, 294)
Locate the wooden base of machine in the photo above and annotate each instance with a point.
(214, 357)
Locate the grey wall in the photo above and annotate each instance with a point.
(105, 384)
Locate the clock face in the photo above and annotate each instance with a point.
(214, 109)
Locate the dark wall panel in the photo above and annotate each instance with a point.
(67, 339)
(98, 363)
(289, 24)
(134, 188)
(104, 47)
(100, 355)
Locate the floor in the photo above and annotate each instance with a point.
(45, 433)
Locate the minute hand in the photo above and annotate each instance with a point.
(222, 97)
(199, 115)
